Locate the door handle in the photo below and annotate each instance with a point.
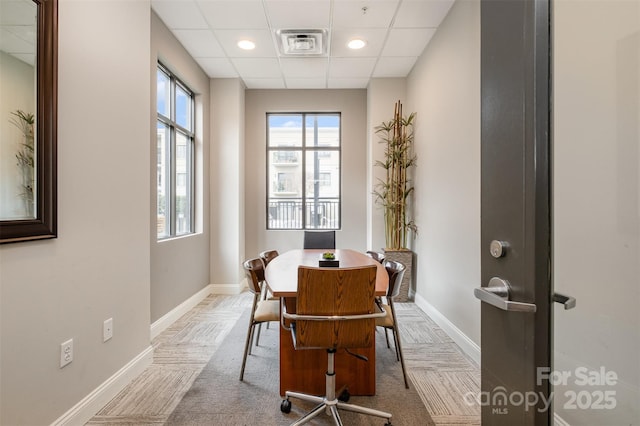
(497, 294)
(568, 301)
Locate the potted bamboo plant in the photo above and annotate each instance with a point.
(25, 158)
(394, 192)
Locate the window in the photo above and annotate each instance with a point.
(175, 159)
(303, 166)
(325, 179)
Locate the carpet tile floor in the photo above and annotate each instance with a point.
(441, 373)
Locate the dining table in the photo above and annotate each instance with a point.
(304, 370)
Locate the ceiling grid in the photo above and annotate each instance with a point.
(395, 31)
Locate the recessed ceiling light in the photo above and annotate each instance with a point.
(356, 43)
(246, 45)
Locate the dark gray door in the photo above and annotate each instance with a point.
(515, 236)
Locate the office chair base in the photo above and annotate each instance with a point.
(330, 406)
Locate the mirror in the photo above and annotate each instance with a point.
(28, 112)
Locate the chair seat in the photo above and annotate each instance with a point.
(386, 321)
(267, 310)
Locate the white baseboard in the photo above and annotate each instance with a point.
(84, 410)
(466, 344)
(173, 315)
(230, 289)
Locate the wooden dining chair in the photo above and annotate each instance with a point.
(395, 270)
(376, 255)
(268, 255)
(261, 310)
(335, 309)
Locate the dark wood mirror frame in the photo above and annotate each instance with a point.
(45, 223)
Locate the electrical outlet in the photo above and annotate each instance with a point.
(107, 329)
(66, 352)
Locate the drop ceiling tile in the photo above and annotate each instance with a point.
(234, 14)
(394, 67)
(253, 68)
(200, 43)
(306, 83)
(209, 30)
(179, 14)
(373, 37)
(351, 67)
(349, 14)
(348, 83)
(298, 14)
(264, 83)
(304, 67)
(228, 39)
(217, 67)
(422, 14)
(407, 42)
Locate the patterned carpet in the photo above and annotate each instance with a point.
(441, 374)
(218, 397)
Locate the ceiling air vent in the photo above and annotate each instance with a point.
(302, 42)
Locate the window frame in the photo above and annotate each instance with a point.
(303, 149)
(174, 129)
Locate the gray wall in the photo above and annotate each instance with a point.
(179, 266)
(444, 89)
(98, 267)
(227, 184)
(596, 153)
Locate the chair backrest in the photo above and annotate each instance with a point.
(319, 239)
(376, 255)
(254, 270)
(268, 255)
(335, 291)
(395, 270)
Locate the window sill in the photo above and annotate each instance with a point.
(178, 237)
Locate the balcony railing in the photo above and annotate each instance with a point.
(320, 213)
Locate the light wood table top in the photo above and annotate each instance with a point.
(281, 273)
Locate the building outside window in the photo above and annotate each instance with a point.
(175, 156)
(303, 167)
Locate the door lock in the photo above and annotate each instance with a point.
(498, 248)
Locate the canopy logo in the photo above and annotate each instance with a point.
(588, 390)
(499, 399)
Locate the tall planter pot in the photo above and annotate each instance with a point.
(407, 258)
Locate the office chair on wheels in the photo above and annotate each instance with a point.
(335, 309)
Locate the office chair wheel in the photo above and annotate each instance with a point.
(344, 396)
(285, 406)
